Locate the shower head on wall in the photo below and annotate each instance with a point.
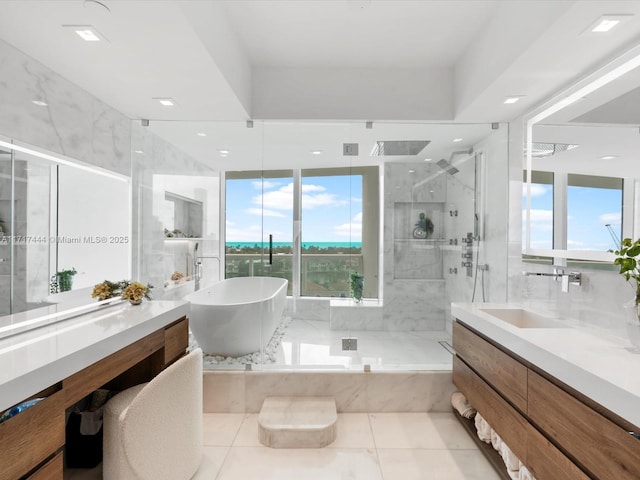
(447, 167)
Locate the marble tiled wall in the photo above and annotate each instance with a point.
(411, 302)
(77, 125)
(244, 392)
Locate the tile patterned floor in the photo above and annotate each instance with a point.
(375, 446)
(370, 446)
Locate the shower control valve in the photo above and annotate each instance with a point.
(467, 264)
(466, 255)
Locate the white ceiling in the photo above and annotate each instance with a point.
(381, 60)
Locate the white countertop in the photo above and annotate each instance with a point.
(34, 360)
(604, 369)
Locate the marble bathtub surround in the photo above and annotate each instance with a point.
(244, 392)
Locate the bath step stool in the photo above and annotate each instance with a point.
(297, 422)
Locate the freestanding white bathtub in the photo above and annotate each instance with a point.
(236, 316)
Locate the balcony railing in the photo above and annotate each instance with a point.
(322, 274)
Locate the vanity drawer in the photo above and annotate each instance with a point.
(31, 436)
(176, 340)
(52, 470)
(503, 418)
(601, 447)
(505, 374)
(546, 462)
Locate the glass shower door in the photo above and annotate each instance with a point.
(5, 232)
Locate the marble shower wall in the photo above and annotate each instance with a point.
(414, 289)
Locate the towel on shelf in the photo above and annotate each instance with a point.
(496, 441)
(462, 405)
(509, 458)
(483, 428)
(525, 474)
(513, 474)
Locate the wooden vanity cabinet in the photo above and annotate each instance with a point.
(32, 441)
(555, 434)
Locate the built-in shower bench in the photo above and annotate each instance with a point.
(345, 314)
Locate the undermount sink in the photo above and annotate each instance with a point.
(521, 318)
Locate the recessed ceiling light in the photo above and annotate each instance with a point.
(428, 159)
(202, 134)
(512, 99)
(39, 103)
(87, 33)
(608, 157)
(457, 140)
(607, 23)
(316, 152)
(412, 171)
(138, 151)
(166, 102)
(224, 153)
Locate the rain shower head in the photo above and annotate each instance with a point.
(447, 167)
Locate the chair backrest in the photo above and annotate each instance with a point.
(162, 427)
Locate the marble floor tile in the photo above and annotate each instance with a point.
(419, 430)
(220, 429)
(418, 464)
(212, 460)
(262, 463)
(248, 434)
(354, 431)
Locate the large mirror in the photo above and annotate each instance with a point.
(582, 168)
(64, 226)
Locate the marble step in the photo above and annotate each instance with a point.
(297, 422)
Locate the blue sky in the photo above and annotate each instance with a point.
(588, 211)
(331, 209)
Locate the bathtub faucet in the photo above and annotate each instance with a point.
(197, 268)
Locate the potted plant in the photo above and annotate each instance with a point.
(627, 260)
(424, 227)
(64, 279)
(356, 286)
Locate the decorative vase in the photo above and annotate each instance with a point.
(135, 302)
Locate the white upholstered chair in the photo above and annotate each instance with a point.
(153, 431)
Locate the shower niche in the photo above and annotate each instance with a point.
(418, 238)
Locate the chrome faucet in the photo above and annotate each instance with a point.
(197, 267)
(573, 278)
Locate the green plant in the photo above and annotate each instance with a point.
(64, 279)
(627, 260)
(356, 285)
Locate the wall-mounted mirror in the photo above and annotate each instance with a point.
(65, 226)
(583, 166)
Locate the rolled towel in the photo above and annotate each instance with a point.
(513, 474)
(525, 474)
(496, 441)
(509, 458)
(462, 405)
(484, 429)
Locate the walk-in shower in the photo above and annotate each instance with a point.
(299, 205)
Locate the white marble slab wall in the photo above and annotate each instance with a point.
(244, 392)
(73, 123)
(412, 303)
(154, 156)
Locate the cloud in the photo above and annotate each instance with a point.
(612, 218)
(312, 196)
(541, 220)
(249, 233)
(537, 190)
(264, 212)
(351, 230)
